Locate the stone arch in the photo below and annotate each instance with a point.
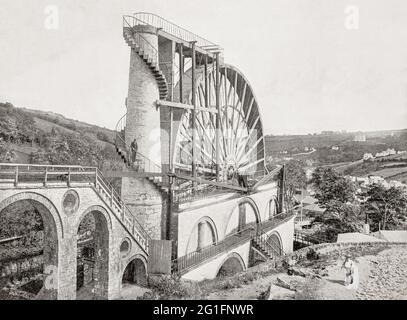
(39, 198)
(94, 258)
(100, 209)
(194, 233)
(135, 271)
(231, 265)
(275, 240)
(271, 211)
(253, 205)
(52, 234)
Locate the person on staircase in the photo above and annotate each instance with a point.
(134, 150)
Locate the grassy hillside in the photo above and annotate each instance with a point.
(32, 136)
(346, 149)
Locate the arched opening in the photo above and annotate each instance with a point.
(232, 265)
(203, 235)
(135, 273)
(28, 251)
(134, 279)
(275, 242)
(93, 257)
(273, 205)
(244, 217)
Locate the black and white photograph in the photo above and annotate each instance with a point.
(213, 151)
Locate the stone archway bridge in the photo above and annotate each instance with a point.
(52, 187)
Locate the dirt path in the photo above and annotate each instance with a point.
(381, 276)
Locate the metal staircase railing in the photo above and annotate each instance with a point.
(49, 174)
(147, 51)
(146, 46)
(266, 243)
(309, 240)
(144, 164)
(192, 259)
(145, 18)
(187, 262)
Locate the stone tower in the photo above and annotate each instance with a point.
(143, 124)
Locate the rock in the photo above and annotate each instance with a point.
(283, 284)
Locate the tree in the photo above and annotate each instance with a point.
(332, 188)
(6, 153)
(295, 179)
(386, 207)
(336, 194)
(8, 128)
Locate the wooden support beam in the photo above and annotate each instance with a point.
(194, 111)
(212, 183)
(217, 133)
(267, 178)
(181, 71)
(132, 174)
(177, 105)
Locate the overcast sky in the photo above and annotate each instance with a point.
(309, 72)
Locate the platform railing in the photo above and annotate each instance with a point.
(17, 174)
(146, 18)
(192, 259)
(145, 45)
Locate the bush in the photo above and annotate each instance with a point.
(312, 254)
(173, 287)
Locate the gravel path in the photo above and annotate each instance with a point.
(385, 277)
(382, 276)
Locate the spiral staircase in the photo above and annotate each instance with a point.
(148, 53)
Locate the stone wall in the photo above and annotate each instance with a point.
(146, 202)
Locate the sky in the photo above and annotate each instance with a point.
(314, 65)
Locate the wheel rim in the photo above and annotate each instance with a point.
(241, 134)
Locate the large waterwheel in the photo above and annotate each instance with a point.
(241, 141)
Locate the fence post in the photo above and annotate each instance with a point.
(69, 177)
(16, 177)
(46, 177)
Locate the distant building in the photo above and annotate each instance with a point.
(402, 152)
(335, 148)
(368, 157)
(386, 153)
(359, 137)
(376, 179)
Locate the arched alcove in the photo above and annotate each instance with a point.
(93, 256)
(30, 231)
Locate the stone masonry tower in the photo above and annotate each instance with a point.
(146, 85)
(143, 118)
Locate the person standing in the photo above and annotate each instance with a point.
(349, 267)
(134, 150)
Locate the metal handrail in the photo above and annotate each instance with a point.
(194, 258)
(148, 165)
(300, 236)
(156, 21)
(93, 177)
(142, 233)
(146, 46)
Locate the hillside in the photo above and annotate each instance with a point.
(38, 137)
(333, 148)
